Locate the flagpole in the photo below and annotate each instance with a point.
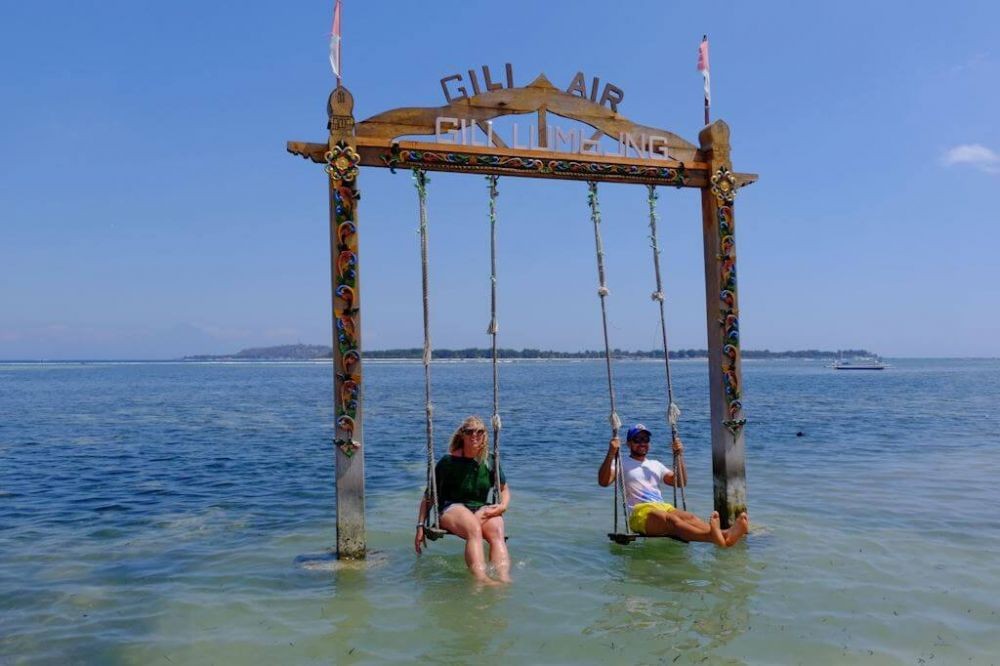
(335, 41)
(340, 60)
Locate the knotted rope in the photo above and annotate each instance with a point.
(420, 181)
(493, 329)
(602, 292)
(673, 411)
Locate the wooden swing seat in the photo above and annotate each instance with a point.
(434, 533)
(625, 539)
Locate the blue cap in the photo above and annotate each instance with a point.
(636, 429)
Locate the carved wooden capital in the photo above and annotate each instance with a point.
(714, 140)
(340, 111)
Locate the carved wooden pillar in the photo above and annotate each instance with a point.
(342, 167)
(722, 310)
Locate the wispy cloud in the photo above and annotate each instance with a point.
(974, 155)
(217, 332)
(973, 62)
(283, 334)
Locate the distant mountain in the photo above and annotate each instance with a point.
(311, 352)
(279, 353)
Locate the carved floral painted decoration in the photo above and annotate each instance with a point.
(724, 188)
(342, 166)
(342, 162)
(396, 157)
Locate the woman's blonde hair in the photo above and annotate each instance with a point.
(456, 439)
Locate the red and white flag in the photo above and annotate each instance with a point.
(703, 68)
(335, 41)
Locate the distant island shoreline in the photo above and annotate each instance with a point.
(301, 352)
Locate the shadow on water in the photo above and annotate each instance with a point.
(352, 631)
(675, 602)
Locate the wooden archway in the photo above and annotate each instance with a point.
(661, 158)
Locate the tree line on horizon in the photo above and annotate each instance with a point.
(300, 352)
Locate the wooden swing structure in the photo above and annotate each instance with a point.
(661, 158)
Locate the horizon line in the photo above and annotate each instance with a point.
(232, 359)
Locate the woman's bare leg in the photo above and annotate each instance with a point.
(461, 522)
(493, 532)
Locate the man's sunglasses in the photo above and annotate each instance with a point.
(641, 439)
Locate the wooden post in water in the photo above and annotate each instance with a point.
(722, 311)
(342, 166)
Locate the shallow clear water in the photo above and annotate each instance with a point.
(177, 513)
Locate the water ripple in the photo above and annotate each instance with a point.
(153, 512)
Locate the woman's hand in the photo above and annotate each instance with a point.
(491, 511)
(420, 540)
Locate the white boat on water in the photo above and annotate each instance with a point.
(859, 363)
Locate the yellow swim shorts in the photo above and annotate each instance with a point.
(640, 512)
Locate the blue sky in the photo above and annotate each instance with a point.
(148, 208)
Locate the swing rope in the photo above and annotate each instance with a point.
(493, 329)
(432, 518)
(602, 292)
(673, 411)
(420, 181)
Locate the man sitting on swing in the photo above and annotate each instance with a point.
(649, 515)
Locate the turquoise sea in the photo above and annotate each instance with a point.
(177, 513)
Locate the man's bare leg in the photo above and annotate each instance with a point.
(686, 516)
(688, 527)
(718, 538)
(686, 523)
(738, 530)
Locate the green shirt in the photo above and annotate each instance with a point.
(464, 480)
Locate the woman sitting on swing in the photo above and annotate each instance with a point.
(463, 484)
